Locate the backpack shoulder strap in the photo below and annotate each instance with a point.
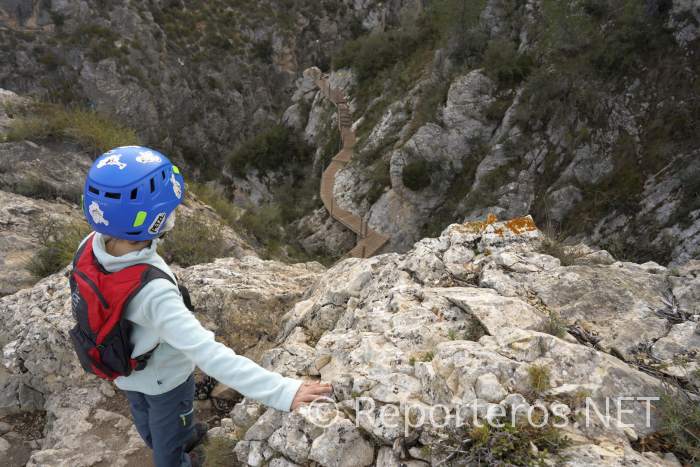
(153, 272)
(87, 242)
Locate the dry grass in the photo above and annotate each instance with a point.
(539, 378)
(92, 130)
(567, 255)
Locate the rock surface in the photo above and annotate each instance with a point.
(396, 332)
(22, 223)
(87, 424)
(457, 323)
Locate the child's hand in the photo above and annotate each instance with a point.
(309, 392)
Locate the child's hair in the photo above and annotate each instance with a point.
(131, 242)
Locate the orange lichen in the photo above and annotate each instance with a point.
(498, 231)
(491, 218)
(521, 224)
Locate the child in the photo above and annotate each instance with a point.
(132, 324)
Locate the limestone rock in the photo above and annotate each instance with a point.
(342, 445)
(494, 311)
(488, 388)
(245, 315)
(22, 221)
(221, 391)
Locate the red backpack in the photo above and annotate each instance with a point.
(98, 301)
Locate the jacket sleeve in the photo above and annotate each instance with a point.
(164, 311)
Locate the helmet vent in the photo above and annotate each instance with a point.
(113, 195)
(94, 190)
(162, 173)
(153, 185)
(134, 233)
(134, 192)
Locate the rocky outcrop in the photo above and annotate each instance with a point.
(241, 300)
(460, 321)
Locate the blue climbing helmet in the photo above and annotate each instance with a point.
(130, 192)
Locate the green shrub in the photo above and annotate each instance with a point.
(504, 64)
(475, 330)
(34, 186)
(370, 54)
(430, 99)
(272, 149)
(212, 197)
(59, 242)
(92, 130)
(680, 424)
(555, 325)
(263, 50)
(331, 147)
(416, 174)
(379, 179)
(512, 444)
(192, 242)
(299, 197)
(264, 223)
(497, 109)
(456, 21)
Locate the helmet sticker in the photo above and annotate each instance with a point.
(112, 160)
(176, 186)
(147, 157)
(157, 223)
(98, 217)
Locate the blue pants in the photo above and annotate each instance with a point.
(165, 422)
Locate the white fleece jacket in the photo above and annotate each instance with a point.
(160, 318)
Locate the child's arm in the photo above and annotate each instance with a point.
(164, 311)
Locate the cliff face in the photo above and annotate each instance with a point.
(477, 320)
(582, 116)
(194, 77)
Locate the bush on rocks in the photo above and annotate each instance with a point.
(416, 175)
(59, 242)
(192, 242)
